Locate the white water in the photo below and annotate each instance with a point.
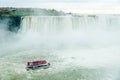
(57, 24)
(78, 48)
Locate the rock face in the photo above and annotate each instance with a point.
(12, 22)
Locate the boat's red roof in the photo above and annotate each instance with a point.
(40, 61)
(37, 62)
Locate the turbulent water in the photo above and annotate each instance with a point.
(78, 48)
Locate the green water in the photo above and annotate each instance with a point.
(12, 67)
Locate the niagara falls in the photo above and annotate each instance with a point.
(71, 46)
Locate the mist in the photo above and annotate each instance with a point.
(77, 32)
(84, 45)
(54, 33)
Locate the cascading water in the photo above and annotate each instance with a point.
(55, 23)
(78, 48)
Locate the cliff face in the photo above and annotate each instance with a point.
(12, 22)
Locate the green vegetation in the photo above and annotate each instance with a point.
(35, 12)
(15, 11)
(29, 12)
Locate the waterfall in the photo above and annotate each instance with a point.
(49, 24)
